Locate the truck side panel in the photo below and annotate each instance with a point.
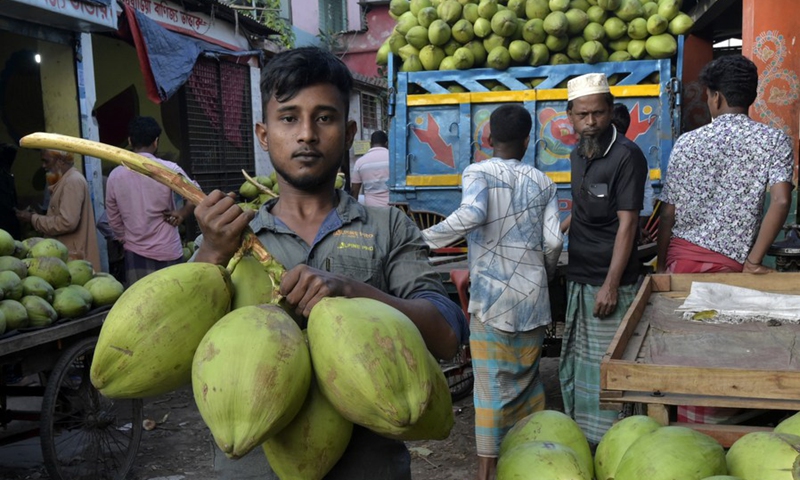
(435, 134)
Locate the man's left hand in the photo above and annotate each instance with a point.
(605, 302)
(304, 287)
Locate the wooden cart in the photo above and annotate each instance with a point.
(729, 371)
(83, 435)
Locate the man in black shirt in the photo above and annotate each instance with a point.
(608, 176)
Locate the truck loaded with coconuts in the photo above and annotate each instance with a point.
(451, 63)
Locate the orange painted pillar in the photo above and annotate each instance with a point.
(697, 53)
(770, 34)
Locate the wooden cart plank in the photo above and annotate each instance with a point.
(629, 321)
(34, 338)
(768, 384)
(608, 397)
(772, 282)
(726, 435)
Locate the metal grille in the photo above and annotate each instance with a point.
(219, 121)
(332, 16)
(370, 116)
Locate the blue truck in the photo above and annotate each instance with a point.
(434, 133)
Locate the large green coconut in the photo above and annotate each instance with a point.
(81, 271)
(371, 362)
(550, 426)
(487, 9)
(439, 33)
(106, 290)
(533, 31)
(616, 442)
(14, 264)
(537, 9)
(670, 453)
(10, 285)
(7, 245)
(70, 302)
(40, 313)
(556, 24)
(312, 443)
(661, 46)
(20, 249)
(146, 344)
(541, 460)
(431, 57)
(53, 270)
(629, 9)
(250, 376)
(33, 285)
(50, 247)
(498, 58)
(681, 24)
(15, 314)
(765, 456)
(789, 425)
(504, 23)
(427, 16)
(577, 19)
(449, 11)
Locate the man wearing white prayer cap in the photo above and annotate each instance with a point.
(608, 176)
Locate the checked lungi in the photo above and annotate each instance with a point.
(586, 339)
(138, 267)
(507, 383)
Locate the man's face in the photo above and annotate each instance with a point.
(307, 136)
(590, 115)
(53, 167)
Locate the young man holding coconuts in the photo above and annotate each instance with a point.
(509, 215)
(608, 177)
(329, 244)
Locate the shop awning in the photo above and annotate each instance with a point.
(165, 57)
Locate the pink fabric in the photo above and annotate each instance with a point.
(372, 172)
(686, 257)
(134, 204)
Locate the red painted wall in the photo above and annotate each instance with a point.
(769, 38)
(361, 48)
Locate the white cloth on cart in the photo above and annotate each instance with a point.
(732, 301)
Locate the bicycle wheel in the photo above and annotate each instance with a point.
(83, 434)
(458, 373)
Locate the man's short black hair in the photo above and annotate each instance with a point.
(143, 131)
(735, 77)
(621, 117)
(510, 123)
(293, 70)
(378, 138)
(608, 97)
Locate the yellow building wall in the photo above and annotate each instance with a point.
(116, 68)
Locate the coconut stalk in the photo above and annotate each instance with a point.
(259, 187)
(149, 168)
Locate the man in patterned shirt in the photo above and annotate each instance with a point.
(718, 175)
(713, 198)
(509, 215)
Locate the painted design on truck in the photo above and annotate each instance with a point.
(432, 137)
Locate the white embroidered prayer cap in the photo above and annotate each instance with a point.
(589, 84)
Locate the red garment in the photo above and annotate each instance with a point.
(686, 257)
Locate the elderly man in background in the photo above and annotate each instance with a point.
(608, 177)
(69, 218)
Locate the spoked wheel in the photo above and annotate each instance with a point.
(459, 374)
(83, 434)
